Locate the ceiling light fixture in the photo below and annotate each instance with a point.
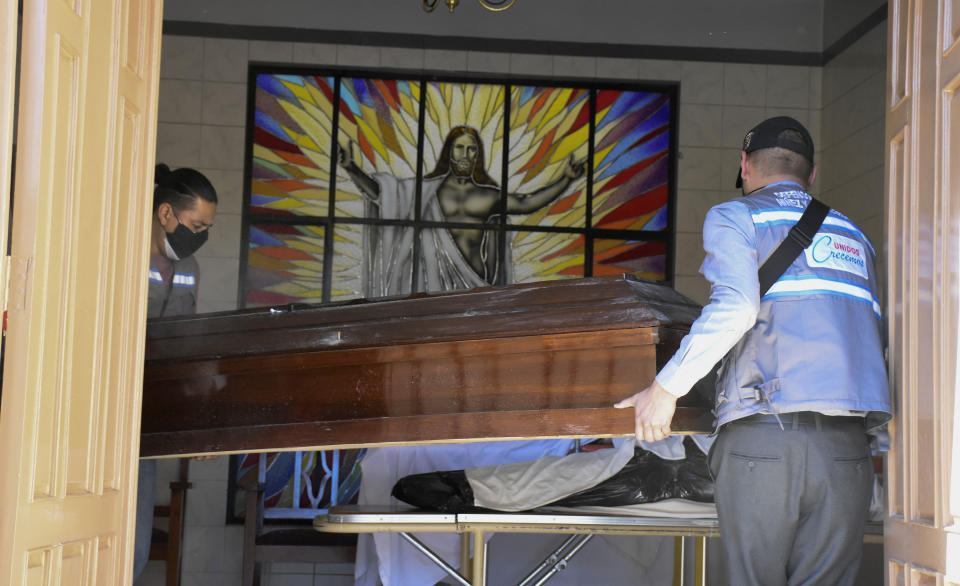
(491, 5)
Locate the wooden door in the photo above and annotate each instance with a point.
(69, 421)
(922, 543)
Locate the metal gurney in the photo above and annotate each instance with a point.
(581, 526)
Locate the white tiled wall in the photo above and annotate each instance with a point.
(201, 125)
(719, 102)
(212, 550)
(853, 133)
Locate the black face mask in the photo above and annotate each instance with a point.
(183, 242)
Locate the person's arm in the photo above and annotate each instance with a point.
(367, 185)
(731, 265)
(525, 203)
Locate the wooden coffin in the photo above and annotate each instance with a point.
(525, 361)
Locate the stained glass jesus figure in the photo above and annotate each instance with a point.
(457, 190)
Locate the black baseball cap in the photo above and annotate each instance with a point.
(767, 135)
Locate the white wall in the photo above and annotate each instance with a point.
(202, 117)
(851, 161)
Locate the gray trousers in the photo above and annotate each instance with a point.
(792, 503)
(146, 486)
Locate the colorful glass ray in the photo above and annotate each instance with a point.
(631, 161)
(292, 125)
(284, 264)
(643, 258)
(549, 136)
(378, 123)
(546, 256)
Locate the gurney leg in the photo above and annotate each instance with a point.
(479, 574)
(434, 558)
(700, 567)
(486, 562)
(699, 561)
(679, 553)
(465, 566)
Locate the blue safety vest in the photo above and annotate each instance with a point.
(817, 342)
(178, 296)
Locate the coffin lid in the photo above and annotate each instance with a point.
(590, 304)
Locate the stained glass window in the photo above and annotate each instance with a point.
(289, 166)
(284, 264)
(372, 185)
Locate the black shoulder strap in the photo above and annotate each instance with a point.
(800, 237)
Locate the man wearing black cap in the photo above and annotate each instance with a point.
(802, 380)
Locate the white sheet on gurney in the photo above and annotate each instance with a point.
(670, 508)
(671, 448)
(521, 486)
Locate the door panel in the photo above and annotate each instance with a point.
(897, 186)
(69, 423)
(950, 72)
(950, 129)
(8, 69)
(923, 214)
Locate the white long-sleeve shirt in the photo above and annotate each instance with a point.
(731, 266)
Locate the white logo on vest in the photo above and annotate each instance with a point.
(837, 252)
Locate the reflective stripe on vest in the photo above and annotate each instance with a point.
(810, 284)
(775, 216)
(184, 280)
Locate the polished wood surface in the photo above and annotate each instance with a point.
(540, 360)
